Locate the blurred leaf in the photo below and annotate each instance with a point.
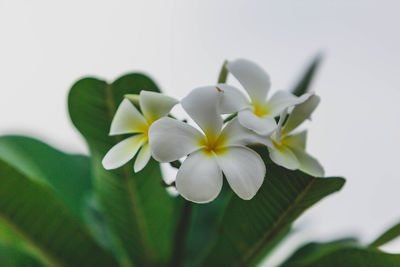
(223, 74)
(136, 207)
(37, 214)
(358, 257)
(203, 227)
(387, 236)
(68, 175)
(96, 222)
(250, 229)
(13, 242)
(312, 251)
(13, 257)
(8, 237)
(303, 85)
(340, 253)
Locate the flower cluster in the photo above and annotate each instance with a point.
(216, 148)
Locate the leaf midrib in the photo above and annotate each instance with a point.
(252, 254)
(42, 251)
(38, 248)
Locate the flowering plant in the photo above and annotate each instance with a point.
(243, 177)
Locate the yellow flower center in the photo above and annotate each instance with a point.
(213, 145)
(145, 131)
(279, 146)
(260, 110)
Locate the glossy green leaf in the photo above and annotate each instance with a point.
(249, 229)
(68, 175)
(311, 252)
(34, 211)
(345, 253)
(14, 257)
(136, 207)
(387, 236)
(304, 84)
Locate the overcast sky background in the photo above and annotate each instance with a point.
(47, 45)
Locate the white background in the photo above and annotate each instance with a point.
(47, 45)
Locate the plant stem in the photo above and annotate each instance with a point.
(181, 235)
(230, 117)
(223, 74)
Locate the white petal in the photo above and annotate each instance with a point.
(244, 169)
(199, 179)
(142, 158)
(300, 113)
(155, 105)
(308, 164)
(123, 152)
(235, 134)
(172, 139)
(252, 77)
(296, 140)
(261, 125)
(127, 119)
(284, 157)
(203, 106)
(232, 99)
(282, 100)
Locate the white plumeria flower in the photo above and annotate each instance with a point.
(128, 120)
(255, 112)
(211, 152)
(289, 150)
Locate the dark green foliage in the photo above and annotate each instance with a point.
(68, 175)
(344, 253)
(10, 256)
(249, 229)
(43, 220)
(203, 226)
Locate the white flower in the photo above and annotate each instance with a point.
(257, 113)
(211, 152)
(289, 150)
(128, 120)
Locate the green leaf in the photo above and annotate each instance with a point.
(250, 229)
(387, 236)
(310, 252)
(303, 85)
(203, 227)
(136, 207)
(344, 255)
(11, 240)
(358, 257)
(36, 213)
(13, 257)
(68, 175)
